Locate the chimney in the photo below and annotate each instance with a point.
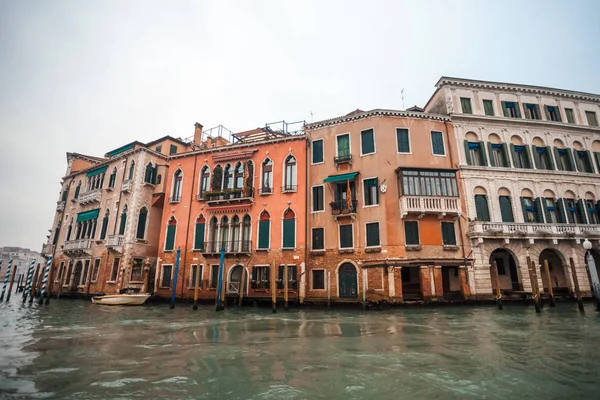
(197, 133)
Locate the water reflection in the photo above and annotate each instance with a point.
(76, 350)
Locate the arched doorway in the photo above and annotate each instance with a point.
(508, 275)
(76, 276)
(348, 284)
(558, 279)
(235, 280)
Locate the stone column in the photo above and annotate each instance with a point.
(465, 289)
(425, 280)
(439, 284)
(397, 273)
(391, 286)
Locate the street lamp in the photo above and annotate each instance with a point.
(587, 245)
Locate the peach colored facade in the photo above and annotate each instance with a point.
(237, 197)
(359, 207)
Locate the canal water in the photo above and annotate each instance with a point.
(76, 350)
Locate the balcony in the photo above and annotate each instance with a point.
(48, 249)
(175, 199)
(77, 246)
(531, 231)
(126, 186)
(342, 159)
(231, 247)
(114, 242)
(60, 205)
(422, 205)
(289, 189)
(342, 207)
(227, 196)
(90, 197)
(265, 190)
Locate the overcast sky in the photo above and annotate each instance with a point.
(89, 76)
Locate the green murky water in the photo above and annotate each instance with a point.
(75, 350)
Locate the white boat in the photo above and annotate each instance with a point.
(121, 299)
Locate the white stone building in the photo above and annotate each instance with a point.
(530, 165)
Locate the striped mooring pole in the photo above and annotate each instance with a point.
(6, 278)
(45, 280)
(29, 279)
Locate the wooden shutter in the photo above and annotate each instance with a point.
(448, 234)
(581, 211)
(373, 234)
(343, 145)
(467, 153)
(170, 243)
(437, 143)
(367, 141)
(559, 165)
(539, 214)
(402, 139)
(317, 151)
(570, 159)
(536, 157)
(199, 236)
(506, 209)
(514, 155)
(597, 158)
(505, 155)
(504, 109)
(549, 157)
(546, 211)
(517, 109)
(411, 232)
(527, 156)
(578, 161)
(589, 164)
(263, 234)
(289, 233)
(123, 224)
(491, 153)
(141, 227)
(103, 229)
(560, 211)
(570, 217)
(524, 209)
(481, 207)
(483, 154)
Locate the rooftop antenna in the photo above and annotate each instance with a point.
(311, 116)
(402, 94)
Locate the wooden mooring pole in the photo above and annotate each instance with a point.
(550, 290)
(534, 285)
(12, 281)
(285, 287)
(576, 286)
(273, 289)
(242, 285)
(328, 277)
(364, 302)
(496, 278)
(34, 283)
(196, 284)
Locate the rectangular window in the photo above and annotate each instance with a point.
(428, 183)
(159, 148)
(506, 209)
(367, 142)
(475, 154)
(437, 143)
(318, 238)
(570, 115)
(373, 234)
(165, 281)
(465, 104)
(346, 237)
(371, 194)
(448, 234)
(551, 214)
(95, 270)
(260, 278)
(521, 158)
(498, 156)
(136, 269)
(172, 149)
(318, 279)
(402, 140)
(170, 240)
(542, 158)
(592, 212)
(318, 202)
(292, 276)
(61, 271)
(317, 151)
(488, 107)
(114, 274)
(553, 114)
(591, 118)
(584, 164)
(532, 111)
(511, 109)
(343, 147)
(192, 283)
(411, 232)
(84, 275)
(214, 276)
(263, 234)
(528, 209)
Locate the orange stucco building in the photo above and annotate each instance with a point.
(385, 210)
(244, 193)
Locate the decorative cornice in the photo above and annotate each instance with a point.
(520, 121)
(378, 112)
(238, 155)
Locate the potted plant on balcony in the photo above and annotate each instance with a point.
(335, 208)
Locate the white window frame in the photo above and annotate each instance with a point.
(409, 142)
(442, 232)
(174, 236)
(262, 176)
(190, 283)
(312, 206)
(337, 153)
(374, 143)
(443, 144)
(324, 279)
(340, 237)
(258, 232)
(200, 179)
(363, 192)
(295, 229)
(311, 151)
(162, 266)
(211, 276)
(311, 238)
(378, 229)
(418, 230)
(112, 266)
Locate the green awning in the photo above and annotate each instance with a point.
(120, 150)
(340, 178)
(97, 171)
(88, 215)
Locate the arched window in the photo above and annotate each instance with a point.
(199, 233)
(104, 225)
(474, 150)
(235, 234)
(77, 190)
(123, 221)
(176, 194)
(505, 201)
(550, 208)
(238, 182)
(214, 238)
(131, 169)
(69, 230)
(112, 180)
(158, 179)
(290, 183)
(289, 229)
(246, 225)
(481, 204)
(249, 189)
(267, 177)
(228, 177)
(141, 227)
(264, 226)
(150, 175)
(204, 180)
(216, 182)
(498, 151)
(532, 208)
(171, 231)
(592, 208)
(224, 233)
(542, 154)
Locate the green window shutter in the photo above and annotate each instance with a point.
(549, 157)
(506, 209)
(539, 214)
(505, 155)
(343, 143)
(467, 153)
(289, 233)
(65, 194)
(570, 217)
(537, 157)
(558, 116)
(77, 189)
(170, 243)
(367, 140)
(317, 151)
(547, 113)
(141, 227)
(373, 234)
(481, 207)
(546, 211)
(172, 149)
(411, 232)
(483, 154)
(199, 236)
(437, 143)
(448, 234)
(263, 234)
(578, 162)
(570, 157)
(123, 224)
(560, 210)
(402, 140)
(527, 156)
(588, 162)
(104, 228)
(581, 211)
(517, 109)
(504, 109)
(523, 205)
(597, 158)
(570, 116)
(488, 107)
(514, 154)
(557, 156)
(490, 152)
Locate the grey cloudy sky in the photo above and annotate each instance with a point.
(89, 76)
